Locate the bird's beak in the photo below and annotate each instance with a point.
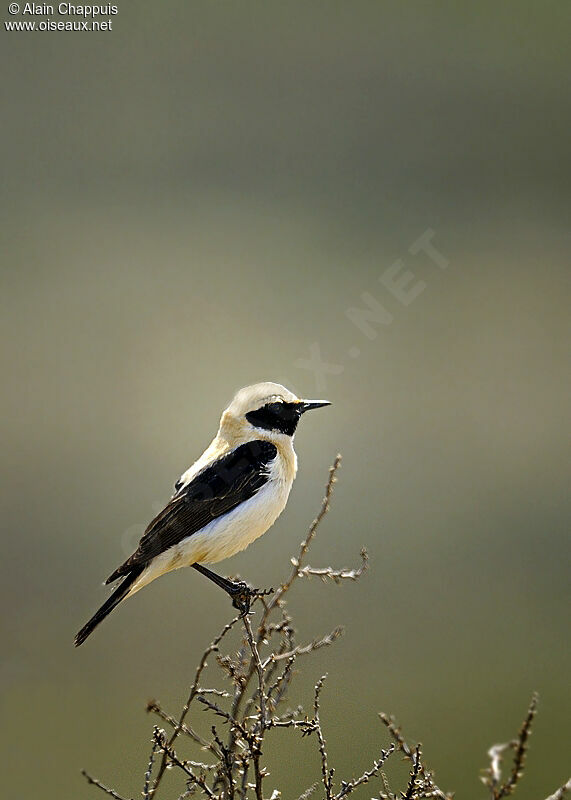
(307, 405)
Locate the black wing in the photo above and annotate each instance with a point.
(215, 491)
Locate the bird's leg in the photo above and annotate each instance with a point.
(239, 591)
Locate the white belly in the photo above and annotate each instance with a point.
(225, 536)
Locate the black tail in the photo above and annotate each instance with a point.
(119, 594)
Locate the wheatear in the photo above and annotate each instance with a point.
(224, 501)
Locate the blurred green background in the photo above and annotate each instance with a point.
(190, 203)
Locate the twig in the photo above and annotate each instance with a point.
(152, 705)
(279, 687)
(171, 755)
(231, 668)
(277, 690)
(307, 726)
(308, 792)
(259, 773)
(386, 794)
(413, 779)
(244, 784)
(520, 749)
(227, 763)
(561, 792)
(493, 775)
(427, 776)
(149, 772)
(395, 732)
(326, 773)
(106, 789)
(227, 716)
(277, 599)
(301, 650)
(192, 694)
(336, 575)
(349, 786)
(217, 692)
(259, 669)
(310, 535)
(290, 714)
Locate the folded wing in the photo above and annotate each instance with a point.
(213, 492)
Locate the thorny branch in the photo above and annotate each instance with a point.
(160, 740)
(336, 575)
(492, 777)
(149, 772)
(301, 650)
(326, 773)
(420, 773)
(212, 647)
(561, 792)
(259, 668)
(106, 789)
(350, 786)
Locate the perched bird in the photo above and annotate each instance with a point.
(224, 501)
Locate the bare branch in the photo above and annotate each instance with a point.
(336, 575)
(227, 716)
(217, 692)
(561, 792)
(213, 646)
(386, 793)
(106, 789)
(350, 786)
(259, 670)
(301, 650)
(326, 773)
(163, 745)
(395, 732)
(297, 562)
(520, 749)
(427, 775)
(278, 689)
(152, 705)
(414, 773)
(493, 775)
(306, 726)
(149, 772)
(227, 763)
(308, 792)
(231, 667)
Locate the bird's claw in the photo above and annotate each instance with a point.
(243, 595)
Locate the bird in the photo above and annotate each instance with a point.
(227, 499)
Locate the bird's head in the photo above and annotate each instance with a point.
(266, 409)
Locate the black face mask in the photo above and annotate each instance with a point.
(279, 417)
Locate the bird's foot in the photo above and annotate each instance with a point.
(242, 596)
